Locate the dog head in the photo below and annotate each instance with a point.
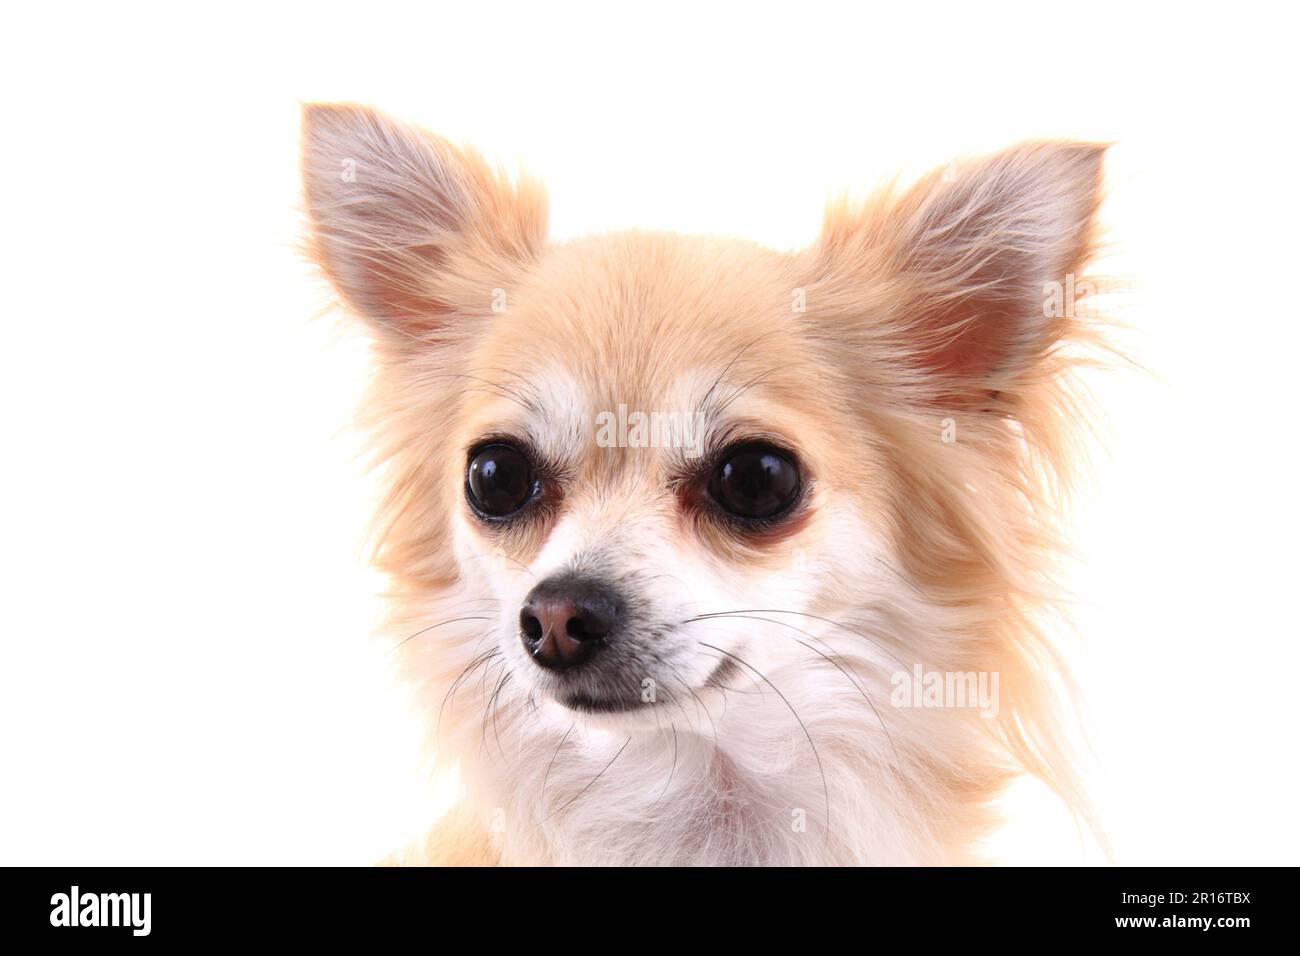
(650, 466)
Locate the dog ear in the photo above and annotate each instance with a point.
(963, 265)
(409, 228)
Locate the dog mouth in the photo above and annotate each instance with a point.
(585, 702)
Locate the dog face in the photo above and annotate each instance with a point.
(649, 449)
(650, 467)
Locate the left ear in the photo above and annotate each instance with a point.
(963, 265)
(413, 232)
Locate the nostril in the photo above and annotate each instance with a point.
(594, 620)
(585, 627)
(530, 625)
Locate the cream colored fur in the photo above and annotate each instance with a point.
(918, 317)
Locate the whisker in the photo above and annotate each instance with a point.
(590, 784)
(547, 775)
(505, 672)
(698, 703)
(757, 688)
(742, 389)
(482, 682)
(834, 663)
(524, 383)
(672, 699)
(454, 620)
(815, 617)
(455, 685)
(505, 391)
(723, 374)
(495, 704)
(826, 793)
(672, 770)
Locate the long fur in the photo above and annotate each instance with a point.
(919, 315)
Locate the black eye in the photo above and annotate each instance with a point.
(500, 480)
(755, 481)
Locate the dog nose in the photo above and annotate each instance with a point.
(564, 620)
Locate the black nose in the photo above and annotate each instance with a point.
(565, 619)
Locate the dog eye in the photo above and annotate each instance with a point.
(500, 480)
(755, 481)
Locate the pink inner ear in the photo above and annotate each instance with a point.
(416, 223)
(976, 252)
(974, 350)
(379, 228)
(385, 291)
(973, 343)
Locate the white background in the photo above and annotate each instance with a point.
(184, 673)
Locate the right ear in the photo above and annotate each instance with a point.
(410, 229)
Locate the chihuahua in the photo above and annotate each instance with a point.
(704, 553)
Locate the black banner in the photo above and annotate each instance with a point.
(982, 906)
